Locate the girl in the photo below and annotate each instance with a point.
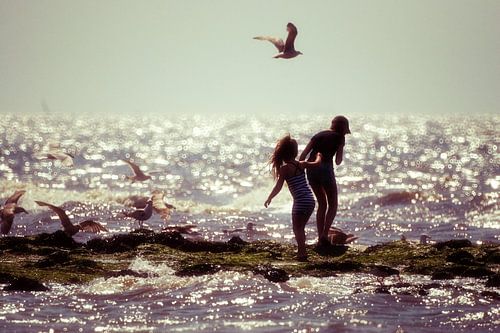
(285, 167)
(330, 143)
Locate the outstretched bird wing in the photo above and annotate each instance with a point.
(92, 226)
(65, 221)
(278, 42)
(7, 218)
(292, 33)
(66, 159)
(134, 167)
(15, 197)
(159, 205)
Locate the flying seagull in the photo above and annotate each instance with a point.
(138, 176)
(54, 152)
(160, 206)
(142, 214)
(9, 210)
(69, 228)
(286, 50)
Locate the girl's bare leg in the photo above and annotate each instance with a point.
(299, 224)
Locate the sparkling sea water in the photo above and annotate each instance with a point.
(400, 176)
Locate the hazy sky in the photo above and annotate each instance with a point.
(199, 56)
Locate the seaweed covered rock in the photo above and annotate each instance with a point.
(173, 239)
(493, 281)
(460, 257)
(198, 269)
(55, 258)
(325, 268)
(120, 242)
(273, 274)
(57, 239)
(25, 284)
(453, 244)
(5, 277)
(442, 275)
(331, 250)
(237, 240)
(491, 294)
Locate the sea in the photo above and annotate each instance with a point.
(402, 176)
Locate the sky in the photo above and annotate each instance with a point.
(384, 56)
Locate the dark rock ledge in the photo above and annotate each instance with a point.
(29, 262)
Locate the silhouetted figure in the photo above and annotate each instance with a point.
(287, 49)
(285, 167)
(330, 143)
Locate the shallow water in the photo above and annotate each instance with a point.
(410, 176)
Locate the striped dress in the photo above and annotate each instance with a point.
(303, 199)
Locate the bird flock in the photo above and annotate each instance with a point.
(53, 151)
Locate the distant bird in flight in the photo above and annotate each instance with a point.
(138, 176)
(54, 152)
(69, 228)
(286, 50)
(9, 210)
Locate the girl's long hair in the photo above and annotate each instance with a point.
(286, 149)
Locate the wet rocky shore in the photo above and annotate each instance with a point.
(30, 263)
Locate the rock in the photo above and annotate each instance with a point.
(25, 284)
(237, 240)
(126, 272)
(493, 257)
(342, 266)
(172, 239)
(331, 250)
(431, 286)
(423, 292)
(461, 257)
(119, 243)
(5, 277)
(55, 258)
(198, 269)
(382, 290)
(493, 281)
(442, 275)
(453, 244)
(475, 272)
(492, 294)
(273, 274)
(56, 239)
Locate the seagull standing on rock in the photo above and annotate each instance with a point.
(286, 49)
(142, 214)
